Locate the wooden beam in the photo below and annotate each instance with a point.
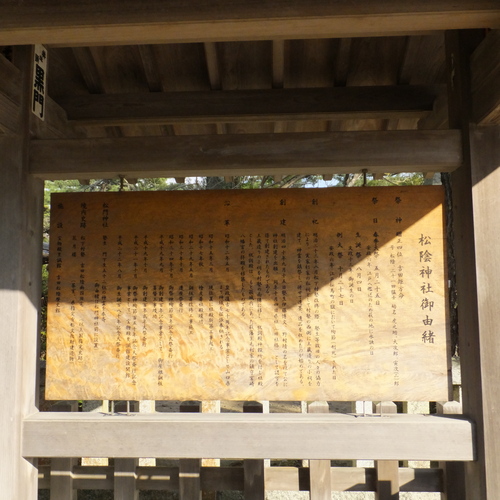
(485, 76)
(278, 64)
(231, 478)
(56, 124)
(251, 105)
(126, 22)
(247, 154)
(273, 435)
(214, 75)
(88, 69)
(438, 119)
(213, 65)
(150, 65)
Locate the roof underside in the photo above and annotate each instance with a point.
(252, 69)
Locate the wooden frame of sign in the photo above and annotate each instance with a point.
(331, 294)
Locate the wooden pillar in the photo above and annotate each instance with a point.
(485, 155)
(62, 486)
(320, 487)
(475, 191)
(453, 482)
(125, 473)
(387, 470)
(125, 479)
(254, 480)
(21, 205)
(190, 468)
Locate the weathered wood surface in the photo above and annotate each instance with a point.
(21, 205)
(231, 478)
(398, 101)
(95, 23)
(273, 435)
(9, 115)
(248, 154)
(62, 485)
(476, 347)
(124, 484)
(319, 470)
(55, 125)
(190, 468)
(485, 169)
(334, 293)
(253, 470)
(387, 470)
(485, 84)
(453, 472)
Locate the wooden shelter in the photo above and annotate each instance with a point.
(174, 89)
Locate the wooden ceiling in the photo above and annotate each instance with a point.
(250, 86)
(275, 81)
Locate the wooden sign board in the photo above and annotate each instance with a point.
(296, 294)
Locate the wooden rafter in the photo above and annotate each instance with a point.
(247, 154)
(251, 105)
(128, 22)
(485, 68)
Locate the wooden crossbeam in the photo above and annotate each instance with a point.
(247, 154)
(126, 22)
(249, 435)
(231, 478)
(251, 105)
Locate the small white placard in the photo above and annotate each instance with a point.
(39, 82)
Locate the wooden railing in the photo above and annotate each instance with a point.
(431, 437)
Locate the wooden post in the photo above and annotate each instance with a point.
(99, 407)
(147, 407)
(416, 408)
(387, 470)
(61, 469)
(21, 205)
(320, 470)
(210, 407)
(476, 227)
(454, 475)
(125, 473)
(363, 408)
(125, 487)
(190, 468)
(485, 155)
(254, 482)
